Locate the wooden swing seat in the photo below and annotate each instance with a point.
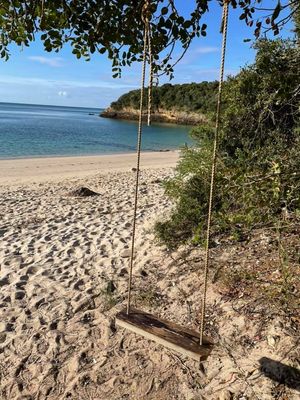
(173, 336)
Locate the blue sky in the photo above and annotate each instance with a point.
(34, 76)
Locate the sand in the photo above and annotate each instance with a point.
(55, 169)
(64, 276)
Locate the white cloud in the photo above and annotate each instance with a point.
(62, 93)
(192, 73)
(65, 84)
(89, 93)
(197, 53)
(205, 50)
(55, 62)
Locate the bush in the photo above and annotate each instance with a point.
(258, 161)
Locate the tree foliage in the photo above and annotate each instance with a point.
(262, 103)
(258, 162)
(191, 97)
(116, 27)
(296, 19)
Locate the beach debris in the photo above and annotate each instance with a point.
(156, 180)
(83, 191)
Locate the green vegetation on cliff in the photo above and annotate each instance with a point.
(190, 97)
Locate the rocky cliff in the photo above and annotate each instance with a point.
(161, 115)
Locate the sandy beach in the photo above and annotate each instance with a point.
(57, 168)
(63, 278)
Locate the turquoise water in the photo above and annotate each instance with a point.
(34, 130)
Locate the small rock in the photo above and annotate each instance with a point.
(225, 395)
(125, 253)
(271, 340)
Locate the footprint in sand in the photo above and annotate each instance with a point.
(78, 284)
(4, 281)
(2, 337)
(78, 253)
(20, 285)
(19, 295)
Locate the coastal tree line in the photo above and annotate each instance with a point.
(190, 97)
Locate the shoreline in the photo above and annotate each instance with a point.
(54, 156)
(37, 170)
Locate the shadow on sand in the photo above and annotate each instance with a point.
(281, 373)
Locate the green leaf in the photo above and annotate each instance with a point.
(276, 11)
(187, 24)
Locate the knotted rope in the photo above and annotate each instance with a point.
(146, 15)
(213, 168)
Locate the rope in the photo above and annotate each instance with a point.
(139, 141)
(150, 77)
(213, 168)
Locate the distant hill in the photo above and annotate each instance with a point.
(189, 103)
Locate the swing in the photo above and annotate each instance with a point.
(181, 339)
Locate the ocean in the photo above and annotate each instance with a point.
(45, 131)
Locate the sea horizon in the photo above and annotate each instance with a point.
(51, 105)
(39, 131)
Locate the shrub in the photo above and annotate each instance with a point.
(258, 160)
